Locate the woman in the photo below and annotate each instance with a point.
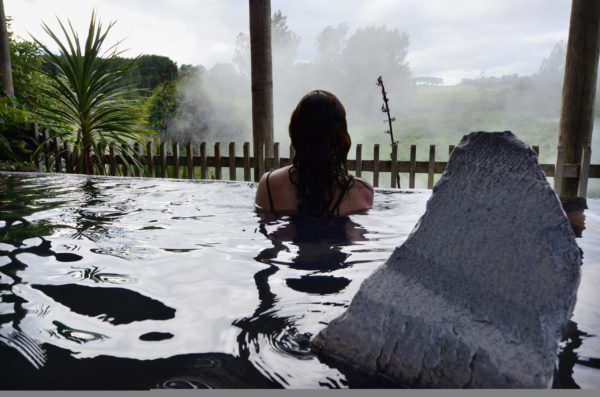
(317, 183)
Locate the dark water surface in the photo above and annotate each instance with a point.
(121, 283)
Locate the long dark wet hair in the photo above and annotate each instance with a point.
(319, 134)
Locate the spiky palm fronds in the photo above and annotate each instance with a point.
(89, 92)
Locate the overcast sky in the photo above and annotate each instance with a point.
(451, 39)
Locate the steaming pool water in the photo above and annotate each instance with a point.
(125, 283)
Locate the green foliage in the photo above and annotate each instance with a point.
(150, 69)
(146, 72)
(26, 58)
(16, 144)
(161, 102)
(16, 115)
(90, 93)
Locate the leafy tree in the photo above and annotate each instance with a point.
(555, 63)
(284, 42)
(186, 76)
(150, 68)
(156, 104)
(241, 57)
(284, 45)
(328, 63)
(371, 52)
(89, 93)
(16, 115)
(330, 43)
(16, 144)
(205, 103)
(26, 60)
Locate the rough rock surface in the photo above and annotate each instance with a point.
(478, 294)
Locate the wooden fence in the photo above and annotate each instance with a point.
(176, 162)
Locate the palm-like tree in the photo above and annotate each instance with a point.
(89, 92)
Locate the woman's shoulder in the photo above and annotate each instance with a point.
(363, 185)
(361, 195)
(275, 191)
(275, 176)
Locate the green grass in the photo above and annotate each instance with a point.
(442, 115)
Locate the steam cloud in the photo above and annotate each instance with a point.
(215, 104)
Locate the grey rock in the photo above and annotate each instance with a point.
(478, 294)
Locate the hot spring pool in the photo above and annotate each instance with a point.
(125, 283)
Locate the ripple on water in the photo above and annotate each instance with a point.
(97, 275)
(77, 335)
(184, 383)
(290, 342)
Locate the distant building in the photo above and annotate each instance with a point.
(428, 81)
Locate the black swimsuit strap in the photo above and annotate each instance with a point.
(272, 209)
(336, 207)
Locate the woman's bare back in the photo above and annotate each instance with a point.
(358, 197)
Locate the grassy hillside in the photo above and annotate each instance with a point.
(442, 115)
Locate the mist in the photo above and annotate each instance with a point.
(215, 104)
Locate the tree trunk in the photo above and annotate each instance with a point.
(579, 87)
(5, 66)
(262, 77)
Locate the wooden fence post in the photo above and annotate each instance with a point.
(247, 161)
(126, 153)
(101, 158)
(358, 160)
(376, 165)
(203, 162)
(431, 167)
(113, 161)
(412, 168)
(189, 155)
(47, 149)
(137, 149)
(232, 171)
(176, 159)
(394, 167)
(57, 155)
(38, 141)
(218, 161)
(163, 160)
(150, 156)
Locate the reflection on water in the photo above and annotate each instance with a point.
(115, 305)
(318, 245)
(75, 335)
(124, 283)
(95, 274)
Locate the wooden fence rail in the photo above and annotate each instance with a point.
(173, 163)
